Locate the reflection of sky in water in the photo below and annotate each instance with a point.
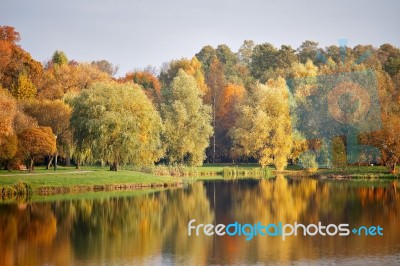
(152, 229)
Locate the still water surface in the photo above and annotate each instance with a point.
(151, 229)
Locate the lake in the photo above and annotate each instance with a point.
(151, 228)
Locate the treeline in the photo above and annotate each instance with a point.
(219, 106)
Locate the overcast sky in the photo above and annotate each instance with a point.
(134, 34)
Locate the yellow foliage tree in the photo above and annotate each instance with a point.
(25, 88)
(8, 109)
(192, 67)
(263, 127)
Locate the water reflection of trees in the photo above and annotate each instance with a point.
(310, 201)
(24, 229)
(128, 228)
(153, 227)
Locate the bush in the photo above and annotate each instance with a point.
(308, 161)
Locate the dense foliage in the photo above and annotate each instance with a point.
(273, 105)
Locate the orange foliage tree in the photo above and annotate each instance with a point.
(15, 61)
(387, 140)
(36, 142)
(230, 97)
(150, 84)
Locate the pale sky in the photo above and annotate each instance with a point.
(134, 34)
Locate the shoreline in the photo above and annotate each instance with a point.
(52, 190)
(97, 179)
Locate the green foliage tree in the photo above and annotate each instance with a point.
(308, 161)
(264, 58)
(339, 154)
(187, 121)
(36, 142)
(307, 51)
(392, 66)
(59, 58)
(286, 57)
(205, 56)
(263, 127)
(245, 52)
(118, 123)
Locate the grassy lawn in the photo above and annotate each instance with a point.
(87, 176)
(361, 172)
(68, 179)
(219, 167)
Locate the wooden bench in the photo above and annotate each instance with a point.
(22, 167)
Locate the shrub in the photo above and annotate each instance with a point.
(308, 161)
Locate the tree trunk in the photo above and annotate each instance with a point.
(392, 167)
(114, 166)
(31, 167)
(214, 122)
(67, 160)
(78, 164)
(55, 161)
(50, 163)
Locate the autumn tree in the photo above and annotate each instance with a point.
(230, 98)
(24, 89)
(192, 67)
(106, 67)
(14, 61)
(118, 123)
(186, 120)
(148, 82)
(263, 127)
(215, 82)
(23, 121)
(8, 149)
(69, 78)
(8, 39)
(56, 115)
(8, 109)
(387, 138)
(36, 142)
